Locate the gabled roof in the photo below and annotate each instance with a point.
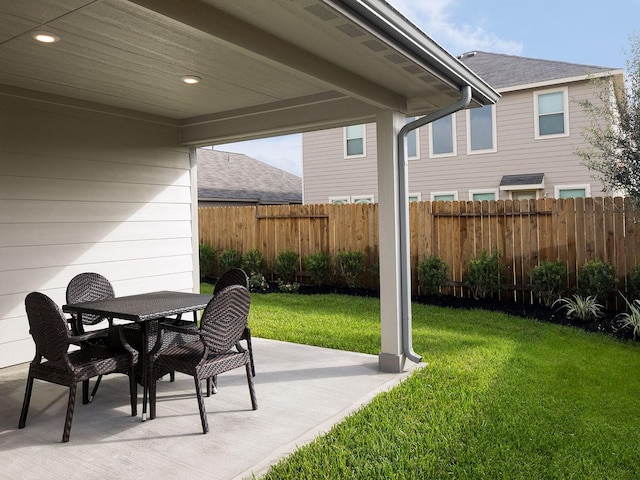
(503, 71)
(237, 177)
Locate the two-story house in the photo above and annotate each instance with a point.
(522, 147)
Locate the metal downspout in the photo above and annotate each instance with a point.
(405, 271)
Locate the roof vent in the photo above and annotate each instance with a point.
(467, 55)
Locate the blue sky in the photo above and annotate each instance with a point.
(591, 33)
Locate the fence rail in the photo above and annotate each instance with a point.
(525, 232)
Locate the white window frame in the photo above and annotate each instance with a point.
(364, 142)
(454, 139)
(536, 120)
(495, 191)
(344, 199)
(340, 200)
(451, 192)
(494, 133)
(417, 137)
(572, 186)
(417, 196)
(358, 198)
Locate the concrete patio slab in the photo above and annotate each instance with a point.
(302, 392)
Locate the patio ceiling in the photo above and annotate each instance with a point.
(267, 68)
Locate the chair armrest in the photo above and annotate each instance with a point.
(187, 329)
(93, 334)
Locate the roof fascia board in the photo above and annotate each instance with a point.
(270, 48)
(558, 81)
(410, 39)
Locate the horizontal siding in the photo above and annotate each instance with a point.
(327, 173)
(84, 191)
(518, 152)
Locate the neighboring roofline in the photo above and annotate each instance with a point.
(383, 17)
(557, 81)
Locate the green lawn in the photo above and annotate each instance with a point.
(502, 397)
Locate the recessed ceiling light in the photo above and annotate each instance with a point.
(45, 37)
(190, 79)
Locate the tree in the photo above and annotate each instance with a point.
(613, 135)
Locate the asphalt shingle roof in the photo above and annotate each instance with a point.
(501, 70)
(226, 175)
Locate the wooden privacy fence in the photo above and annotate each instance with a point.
(525, 232)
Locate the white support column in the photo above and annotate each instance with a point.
(392, 357)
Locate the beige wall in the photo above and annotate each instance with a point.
(327, 173)
(84, 191)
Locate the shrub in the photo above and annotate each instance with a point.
(286, 266)
(432, 272)
(253, 262)
(288, 287)
(632, 317)
(633, 284)
(581, 308)
(319, 267)
(484, 274)
(257, 283)
(208, 256)
(549, 281)
(597, 279)
(230, 258)
(350, 265)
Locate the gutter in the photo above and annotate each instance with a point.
(403, 203)
(406, 35)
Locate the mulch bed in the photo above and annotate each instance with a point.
(607, 324)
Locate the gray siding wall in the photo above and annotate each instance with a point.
(327, 173)
(84, 191)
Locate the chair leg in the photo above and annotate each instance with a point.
(133, 391)
(70, 407)
(252, 392)
(26, 402)
(152, 384)
(203, 412)
(85, 392)
(95, 388)
(212, 385)
(250, 348)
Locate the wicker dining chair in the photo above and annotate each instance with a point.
(51, 334)
(86, 287)
(237, 276)
(221, 326)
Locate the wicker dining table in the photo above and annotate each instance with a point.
(144, 308)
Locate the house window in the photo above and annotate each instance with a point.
(354, 141)
(413, 142)
(444, 196)
(362, 199)
(415, 197)
(572, 191)
(481, 131)
(351, 199)
(551, 113)
(443, 137)
(479, 195)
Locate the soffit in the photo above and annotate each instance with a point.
(269, 67)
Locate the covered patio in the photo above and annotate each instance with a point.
(301, 394)
(99, 129)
